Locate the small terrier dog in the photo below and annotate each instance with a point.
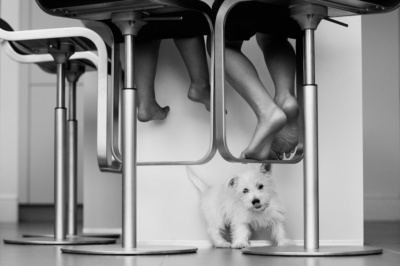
(248, 199)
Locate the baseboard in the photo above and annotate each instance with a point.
(41, 213)
(207, 243)
(382, 207)
(8, 208)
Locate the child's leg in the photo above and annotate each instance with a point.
(243, 77)
(281, 62)
(193, 53)
(145, 71)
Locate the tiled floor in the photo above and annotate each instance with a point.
(385, 235)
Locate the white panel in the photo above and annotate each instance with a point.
(381, 42)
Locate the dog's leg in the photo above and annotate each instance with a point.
(217, 239)
(278, 234)
(240, 236)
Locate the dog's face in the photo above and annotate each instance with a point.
(254, 187)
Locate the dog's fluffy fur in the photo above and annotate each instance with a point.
(248, 199)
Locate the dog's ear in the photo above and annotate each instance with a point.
(265, 168)
(233, 182)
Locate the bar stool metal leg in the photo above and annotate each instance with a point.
(73, 74)
(72, 125)
(311, 217)
(129, 24)
(61, 53)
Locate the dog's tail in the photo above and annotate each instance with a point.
(197, 182)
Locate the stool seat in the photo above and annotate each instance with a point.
(40, 47)
(100, 10)
(164, 17)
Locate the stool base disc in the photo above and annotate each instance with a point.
(80, 235)
(66, 241)
(299, 251)
(118, 250)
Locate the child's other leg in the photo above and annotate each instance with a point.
(281, 62)
(193, 53)
(145, 71)
(243, 77)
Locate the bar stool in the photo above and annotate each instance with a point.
(58, 46)
(308, 14)
(128, 21)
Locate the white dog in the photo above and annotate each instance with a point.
(248, 199)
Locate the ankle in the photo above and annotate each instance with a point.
(147, 103)
(288, 103)
(273, 115)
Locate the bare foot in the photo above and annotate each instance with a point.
(200, 93)
(287, 138)
(267, 127)
(151, 111)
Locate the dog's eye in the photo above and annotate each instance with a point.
(260, 187)
(245, 190)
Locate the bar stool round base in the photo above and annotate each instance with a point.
(118, 250)
(67, 241)
(325, 251)
(80, 235)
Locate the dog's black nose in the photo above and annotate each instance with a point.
(255, 201)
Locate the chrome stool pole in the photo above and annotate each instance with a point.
(73, 74)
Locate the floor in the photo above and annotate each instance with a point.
(379, 234)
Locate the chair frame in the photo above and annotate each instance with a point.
(60, 237)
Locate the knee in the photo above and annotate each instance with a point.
(233, 45)
(266, 39)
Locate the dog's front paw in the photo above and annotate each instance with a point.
(222, 245)
(240, 244)
(285, 242)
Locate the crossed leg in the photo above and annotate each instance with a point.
(243, 77)
(281, 62)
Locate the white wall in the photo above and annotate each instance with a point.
(167, 201)
(37, 103)
(9, 121)
(381, 44)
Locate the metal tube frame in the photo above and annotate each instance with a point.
(72, 178)
(113, 125)
(219, 117)
(105, 162)
(311, 205)
(129, 151)
(60, 149)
